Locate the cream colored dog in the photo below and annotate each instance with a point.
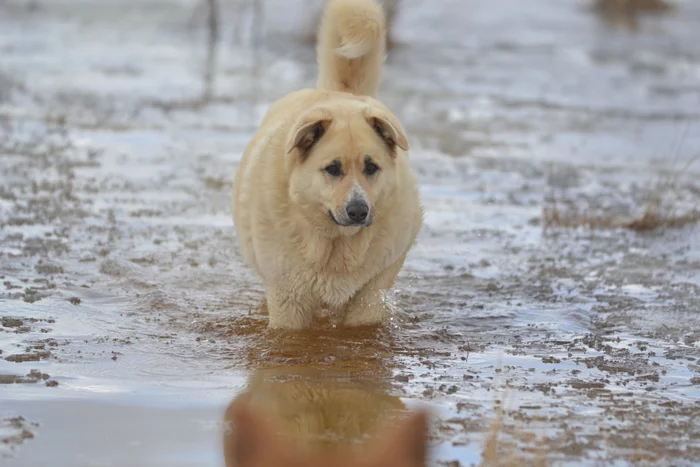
(325, 203)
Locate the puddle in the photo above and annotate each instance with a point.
(126, 309)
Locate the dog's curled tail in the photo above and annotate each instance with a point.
(351, 46)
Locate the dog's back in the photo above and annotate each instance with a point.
(351, 47)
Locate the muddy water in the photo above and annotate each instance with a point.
(129, 321)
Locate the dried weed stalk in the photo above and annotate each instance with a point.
(659, 211)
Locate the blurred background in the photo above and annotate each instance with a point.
(549, 313)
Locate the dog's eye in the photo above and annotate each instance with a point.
(334, 170)
(371, 168)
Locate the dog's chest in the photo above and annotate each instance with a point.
(336, 282)
(336, 290)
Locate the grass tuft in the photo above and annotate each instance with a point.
(659, 211)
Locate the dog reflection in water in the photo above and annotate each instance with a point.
(300, 420)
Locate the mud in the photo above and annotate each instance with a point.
(34, 376)
(14, 432)
(533, 341)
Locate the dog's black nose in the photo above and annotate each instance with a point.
(357, 211)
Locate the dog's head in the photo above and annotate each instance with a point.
(342, 161)
(255, 442)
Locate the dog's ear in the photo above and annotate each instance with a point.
(388, 127)
(405, 445)
(308, 131)
(250, 436)
(254, 441)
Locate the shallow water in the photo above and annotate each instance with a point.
(122, 282)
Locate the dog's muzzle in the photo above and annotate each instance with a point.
(357, 213)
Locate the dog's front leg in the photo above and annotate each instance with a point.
(289, 310)
(368, 306)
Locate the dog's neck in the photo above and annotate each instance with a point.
(342, 249)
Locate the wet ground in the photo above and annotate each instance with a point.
(128, 321)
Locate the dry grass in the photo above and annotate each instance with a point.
(491, 448)
(632, 6)
(658, 212)
(624, 13)
(501, 452)
(654, 216)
